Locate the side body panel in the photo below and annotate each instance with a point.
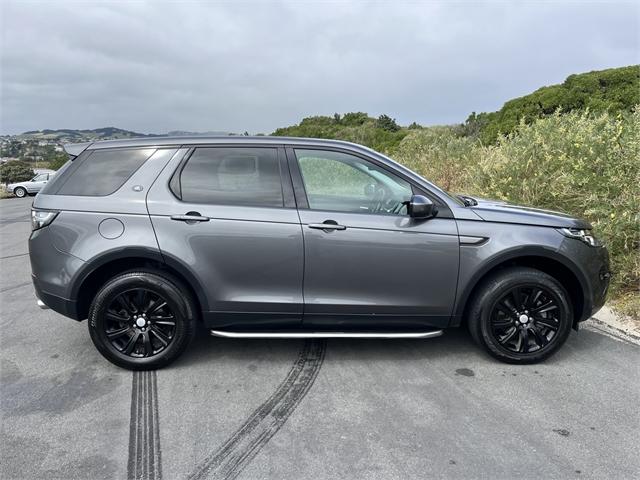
(88, 229)
(508, 241)
(249, 260)
(382, 271)
(379, 270)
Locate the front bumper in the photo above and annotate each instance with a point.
(598, 275)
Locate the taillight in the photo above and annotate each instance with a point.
(42, 218)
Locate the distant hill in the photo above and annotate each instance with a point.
(182, 133)
(614, 90)
(66, 135)
(71, 135)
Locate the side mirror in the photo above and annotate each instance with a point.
(420, 207)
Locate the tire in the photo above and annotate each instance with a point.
(526, 333)
(20, 192)
(142, 320)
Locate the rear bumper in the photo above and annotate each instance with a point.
(51, 272)
(63, 306)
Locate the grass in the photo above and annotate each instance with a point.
(627, 304)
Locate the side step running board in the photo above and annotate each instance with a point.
(223, 333)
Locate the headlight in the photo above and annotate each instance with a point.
(584, 236)
(41, 218)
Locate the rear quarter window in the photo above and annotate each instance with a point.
(98, 172)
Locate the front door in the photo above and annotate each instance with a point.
(367, 263)
(228, 215)
(36, 184)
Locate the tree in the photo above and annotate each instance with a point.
(355, 119)
(58, 160)
(385, 122)
(15, 172)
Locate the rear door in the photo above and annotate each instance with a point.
(228, 214)
(367, 263)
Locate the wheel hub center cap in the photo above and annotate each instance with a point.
(523, 318)
(140, 322)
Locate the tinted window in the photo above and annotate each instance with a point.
(101, 172)
(232, 176)
(346, 183)
(57, 179)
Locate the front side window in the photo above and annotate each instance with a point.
(40, 178)
(345, 183)
(231, 176)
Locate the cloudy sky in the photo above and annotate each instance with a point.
(236, 66)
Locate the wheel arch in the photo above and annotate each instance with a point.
(539, 258)
(98, 270)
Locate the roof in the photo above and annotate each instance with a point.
(77, 148)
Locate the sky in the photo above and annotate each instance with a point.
(153, 67)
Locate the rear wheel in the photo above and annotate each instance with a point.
(520, 315)
(20, 192)
(142, 320)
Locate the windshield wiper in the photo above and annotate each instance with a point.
(467, 200)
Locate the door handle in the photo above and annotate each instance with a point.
(190, 217)
(327, 225)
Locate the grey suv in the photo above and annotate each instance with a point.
(288, 237)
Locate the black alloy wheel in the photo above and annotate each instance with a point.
(142, 320)
(526, 319)
(139, 323)
(520, 315)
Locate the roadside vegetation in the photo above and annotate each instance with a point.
(15, 171)
(581, 157)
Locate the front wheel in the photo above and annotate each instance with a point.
(520, 315)
(142, 320)
(20, 192)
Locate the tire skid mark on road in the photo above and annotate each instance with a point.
(145, 461)
(228, 461)
(9, 221)
(14, 256)
(13, 287)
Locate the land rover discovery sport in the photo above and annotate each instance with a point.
(289, 237)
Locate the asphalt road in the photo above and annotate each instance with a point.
(340, 409)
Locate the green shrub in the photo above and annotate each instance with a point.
(382, 135)
(439, 155)
(613, 90)
(15, 171)
(587, 165)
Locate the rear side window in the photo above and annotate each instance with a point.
(231, 176)
(98, 172)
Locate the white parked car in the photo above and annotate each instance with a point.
(31, 187)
